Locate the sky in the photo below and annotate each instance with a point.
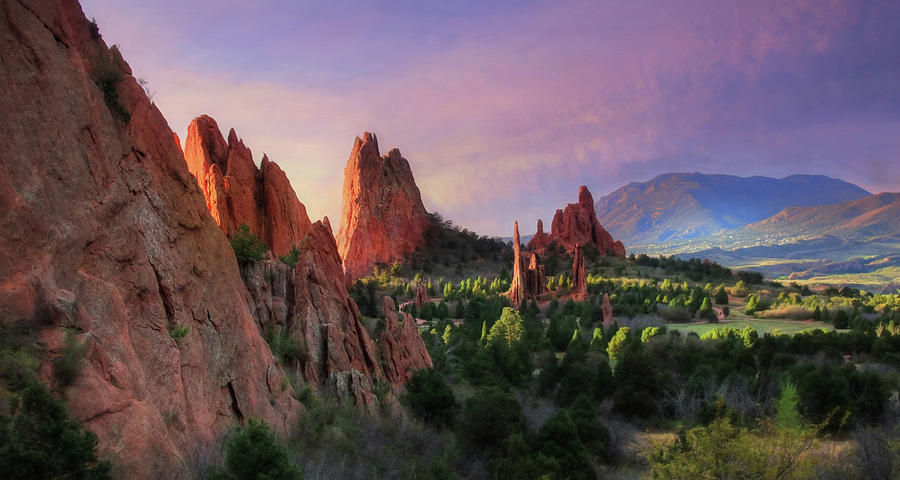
(505, 108)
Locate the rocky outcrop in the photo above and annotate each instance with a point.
(105, 231)
(421, 295)
(528, 282)
(340, 354)
(535, 276)
(540, 241)
(402, 349)
(311, 305)
(606, 308)
(238, 193)
(383, 218)
(579, 275)
(577, 224)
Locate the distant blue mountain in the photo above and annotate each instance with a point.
(679, 206)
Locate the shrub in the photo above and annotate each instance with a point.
(618, 342)
(179, 331)
(107, 76)
(253, 452)
(68, 366)
(490, 416)
(430, 398)
(283, 345)
(247, 246)
(39, 440)
(291, 258)
(841, 320)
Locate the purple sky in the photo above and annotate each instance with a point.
(504, 108)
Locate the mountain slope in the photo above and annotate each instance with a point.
(680, 206)
(877, 215)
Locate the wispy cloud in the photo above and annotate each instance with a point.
(504, 109)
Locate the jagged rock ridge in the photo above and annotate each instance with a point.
(238, 193)
(577, 224)
(382, 218)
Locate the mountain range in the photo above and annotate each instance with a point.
(682, 206)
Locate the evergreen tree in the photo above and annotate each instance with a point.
(618, 342)
(721, 296)
(254, 452)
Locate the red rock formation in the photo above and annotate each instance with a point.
(340, 354)
(578, 224)
(540, 240)
(607, 309)
(517, 289)
(579, 276)
(402, 349)
(238, 193)
(535, 276)
(104, 230)
(383, 218)
(527, 282)
(421, 295)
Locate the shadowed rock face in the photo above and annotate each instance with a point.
(577, 224)
(402, 349)
(383, 218)
(104, 230)
(238, 193)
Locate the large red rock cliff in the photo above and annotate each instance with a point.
(577, 224)
(382, 218)
(238, 193)
(105, 231)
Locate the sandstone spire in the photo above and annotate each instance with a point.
(382, 216)
(579, 275)
(517, 289)
(238, 193)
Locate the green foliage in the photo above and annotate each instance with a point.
(618, 343)
(179, 331)
(430, 398)
(752, 305)
(841, 320)
(648, 333)
(253, 452)
(721, 296)
(721, 450)
(67, 367)
(291, 258)
(788, 407)
(638, 385)
(107, 75)
(247, 246)
(558, 439)
(39, 440)
(283, 346)
(489, 417)
(507, 331)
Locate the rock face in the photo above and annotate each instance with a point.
(383, 218)
(105, 231)
(528, 282)
(340, 355)
(577, 224)
(238, 193)
(579, 276)
(402, 349)
(606, 308)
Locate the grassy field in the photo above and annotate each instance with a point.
(762, 326)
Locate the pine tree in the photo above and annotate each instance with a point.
(484, 332)
(721, 296)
